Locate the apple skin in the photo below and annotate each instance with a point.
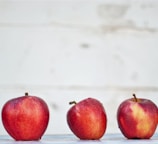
(137, 118)
(25, 118)
(87, 119)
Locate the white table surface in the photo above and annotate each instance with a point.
(71, 139)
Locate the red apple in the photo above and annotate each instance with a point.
(25, 118)
(87, 119)
(137, 118)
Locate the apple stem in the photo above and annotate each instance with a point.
(26, 94)
(135, 97)
(72, 102)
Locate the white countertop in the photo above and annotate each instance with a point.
(71, 139)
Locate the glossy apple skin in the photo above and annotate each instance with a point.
(137, 120)
(87, 119)
(25, 118)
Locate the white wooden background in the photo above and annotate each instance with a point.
(63, 50)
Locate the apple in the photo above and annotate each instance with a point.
(87, 119)
(137, 118)
(25, 118)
